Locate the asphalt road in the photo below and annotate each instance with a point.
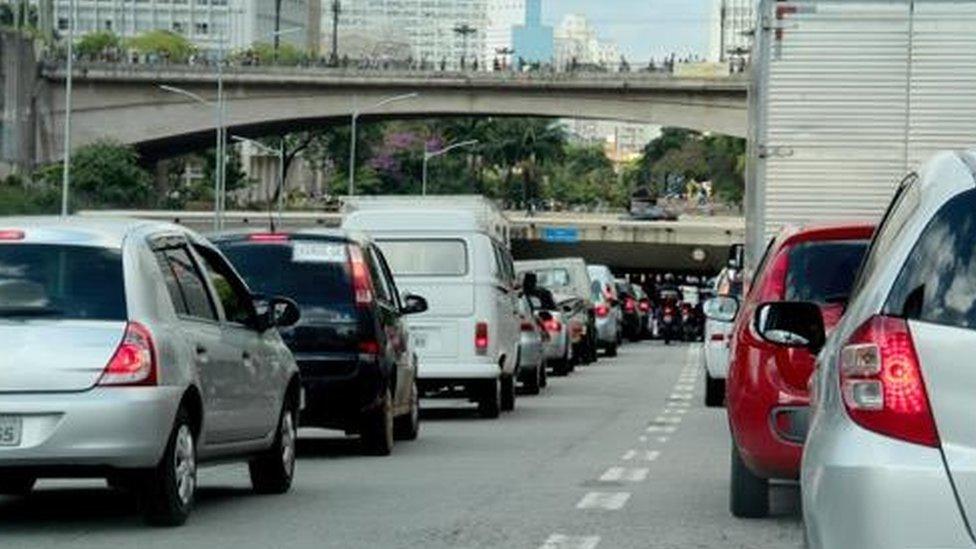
(621, 454)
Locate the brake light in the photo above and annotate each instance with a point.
(552, 325)
(11, 234)
(362, 281)
(369, 347)
(644, 305)
(718, 337)
(268, 237)
(481, 337)
(630, 305)
(881, 382)
(134, 361)
(601, 311)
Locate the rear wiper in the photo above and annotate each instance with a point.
(27, 312)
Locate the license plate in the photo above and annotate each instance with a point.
(10, 429)
(419, 342)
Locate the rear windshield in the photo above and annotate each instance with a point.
(426, 257)
(823, 272)
(62, 282)
(553, 278)
(313, 273)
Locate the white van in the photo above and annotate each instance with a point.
(469, 336)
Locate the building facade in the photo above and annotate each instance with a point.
(577, 44)
(733, 23)
(515, 31)
(621, 141)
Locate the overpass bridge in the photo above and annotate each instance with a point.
(124, 101)
(691, 244)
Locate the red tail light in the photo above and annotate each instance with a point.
(718, 337)
(268, 237)
(134, 362)
(881, 382)
(369, 347)
(601, 311)
(362, 281)
(630, 305)
(11, 235)
(528, 326)
(644, 305)
(552, 325)
(481, 337)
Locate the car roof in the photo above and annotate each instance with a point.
(107, 232)
(850, 230)
(332, 234)
(414, 221)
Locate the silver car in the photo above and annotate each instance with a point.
(532, 353)
(134, 352)
(890, 459)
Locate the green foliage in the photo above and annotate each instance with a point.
(168, 45)
(288, 55)
(96, 43)
(104, 175)
(20, 197)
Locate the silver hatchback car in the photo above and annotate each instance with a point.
(890, 458)
(133, 351)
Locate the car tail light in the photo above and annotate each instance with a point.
(362, 281)
(881, 382)
(718, 337)
(528, 326)
(268, 237)
(552, 325)
(576, 328)
(630, 305)
(481, 337)
(134, 361)
(369, 347)
(601, 311)
(644, 305)
(11, 234)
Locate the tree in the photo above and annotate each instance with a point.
(20, 197)
(104, 174)
(168, 45)
(288, 55)
(96, 43)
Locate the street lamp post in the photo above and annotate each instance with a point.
(428, 155)
(356, 113)
(68, 81)
(464, 31)
(336, 11)
(280, 153)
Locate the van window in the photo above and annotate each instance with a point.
(426, 257)
(63, 282)
(937, 283)
(823, 272)
(554, 278)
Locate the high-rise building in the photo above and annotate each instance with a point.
(621, 141)
(447, 32)
(577, 43)
(733, 23)
(210, 24)
(515, 30)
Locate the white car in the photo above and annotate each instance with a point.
(715, 358)
(469, 337)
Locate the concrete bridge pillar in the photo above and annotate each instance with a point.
(19, 80)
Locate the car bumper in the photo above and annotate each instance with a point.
(556, 348)
(337, 392)
(530, 354)
(606, 330)
(716, 359)
(863, 490)
(447, 369)
(104, 427)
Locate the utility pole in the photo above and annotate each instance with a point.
(336, 11)
(69, 77)
(723, 20)
(277, 29)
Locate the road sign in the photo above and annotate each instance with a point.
(563, 235)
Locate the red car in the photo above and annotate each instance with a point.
(767, 389)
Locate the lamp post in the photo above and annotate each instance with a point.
(464, 31)
(506, 54)
(356, 113)
(336, 11)
(428, 155)
(280, 153)
(218, 162)
(66, 170)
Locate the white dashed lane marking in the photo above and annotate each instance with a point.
(607, 501)
(675, 411)
(560, 541)
(623, 474)
(641, 455)
(668, 420)
(662, 429)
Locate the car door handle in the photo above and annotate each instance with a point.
(202, 356)
(248, 361)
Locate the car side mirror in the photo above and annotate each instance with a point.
(276, 312)
(722, 308)
(791, 324)
(414, 305)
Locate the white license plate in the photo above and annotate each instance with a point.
(10, 429)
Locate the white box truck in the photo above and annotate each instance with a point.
(848, 97)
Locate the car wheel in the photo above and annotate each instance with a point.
(749, 494)
(533, 385)
(272, 472)
(560, 367)
(169, 489)
(16, 485)
(376, 435)
(544, 375)
(508, 393)
(489, 405)
(714, 391)
(612, 350)
(407, 426)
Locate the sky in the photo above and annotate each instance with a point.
(642, 28)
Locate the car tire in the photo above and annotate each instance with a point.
(16, 485)
(714, 391)
(489, 405)
(508, 393)
(533, 385)
(376, 433)
(561, 367)
(544, 375)
(748, 494)
(274, 470)
(612, 350)
(407, 426)
(168, 490)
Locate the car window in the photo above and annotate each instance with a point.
(380, 286)
(937, 283)
(426, 257)
(388, 275)
(234, 296)
(196, 299)
(899, 211)
(823, 272)
(69, 282)
(172, 284)
(553, 278)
